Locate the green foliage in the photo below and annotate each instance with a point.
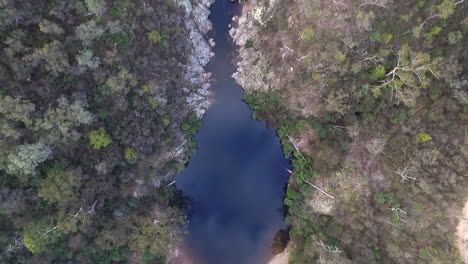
(152, 102)
(99, 139)
(383, 38)
(26, 158)
(155, 238)
(61, 185)
(96, 7)
(308, 35)
(61, 122)
(386, 37)
(454, 37)
(166, 121)
(191, 124)
(86, 58)
(446, 8)
(131, 155)
(119, 8)
(377, 255)
(382, 198)
(88, 32)
(50, 28)
(411, 74)
(423, 137)
(434, 32)
(154, 36)
(249, 44)
(425, 253)
(378, 72)
(340, 57)
(39, 235)
(17, 109)
(54, 55)
(120, 83)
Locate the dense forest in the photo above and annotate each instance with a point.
(94, 123)
(370, 99)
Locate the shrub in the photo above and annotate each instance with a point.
(423, 137)
(308, 35)
(166, 121)
(378, 72)
(386, 37)
(152, 102)
(154, 36)
(340, 57)
(131, 155)
(434, 32)
(99, 139)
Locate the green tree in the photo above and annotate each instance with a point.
(88, 32)
(121, 83)
(23, 163)
(308, 35)
(86, 58)
(39, 235)
(17, 109)
(62, 120)
(96, 7)
(99, 139)
(54, 55)
(61, 185)
(131, 155)
(155, 235)
(412, 72)
(154, 36)
(378, 72)
(50, 28)
(454, 37)
(446, 8)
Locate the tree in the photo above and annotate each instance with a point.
(86, 58)
(62, 120)
(131, 155)
(99, 139)
(156, 235)
(39, 235)
(88, 32)
(61, 185)
(365, 19)
(50, 28)
(96, 7)
(308, 35)
(154, 36)
(411, 73)
(54, 55)
(17, 109)
(121, 82)
(23, 163)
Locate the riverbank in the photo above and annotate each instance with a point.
(375, 172)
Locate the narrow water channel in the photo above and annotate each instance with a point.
(236, 178)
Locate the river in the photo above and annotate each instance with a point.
(236, 179)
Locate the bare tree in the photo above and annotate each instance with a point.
(376, 145)
(405, 173)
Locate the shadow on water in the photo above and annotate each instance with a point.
(236, 178)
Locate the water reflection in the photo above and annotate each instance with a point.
(237, 176)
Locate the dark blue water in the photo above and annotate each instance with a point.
(236, 178)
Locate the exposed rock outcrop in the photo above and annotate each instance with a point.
(198, 24)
